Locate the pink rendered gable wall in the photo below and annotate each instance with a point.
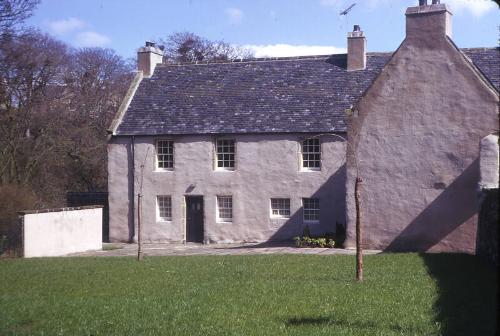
(416, 135)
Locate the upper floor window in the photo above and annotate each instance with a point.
(280, 207)
(311, 209)
(311, 154)
(225, 151)
(163, 208)
(224, 209)
(164, 154)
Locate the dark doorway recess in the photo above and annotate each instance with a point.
(194, 219)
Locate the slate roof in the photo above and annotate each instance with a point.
(301, 94)
(487, 60)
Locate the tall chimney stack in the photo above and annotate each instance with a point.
(356, 49)
(428, 21)
(148, 57)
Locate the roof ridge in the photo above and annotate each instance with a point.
(479, 48)
(274, 59)
(253, 60)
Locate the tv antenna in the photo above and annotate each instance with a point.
(347, 10)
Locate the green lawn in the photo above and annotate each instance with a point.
(403, 294)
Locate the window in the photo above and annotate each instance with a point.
(224, 209)
(311, 154)
(165, 154)
(164, 208)
(311, 209)
(280, 207)
(225, 154)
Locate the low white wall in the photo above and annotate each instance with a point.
(59, 232)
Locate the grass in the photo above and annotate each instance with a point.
(403, 294)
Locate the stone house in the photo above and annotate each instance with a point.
(416, 134)
(255, 150)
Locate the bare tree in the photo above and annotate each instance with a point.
(95, 83)
(55, 104)
(186, 47)
(14, 12)
(353, 162)
(140, 182)
(359, 231)
(352, 158)
(30, 71)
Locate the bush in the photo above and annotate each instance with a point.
(329, 240)
(13, 198)
(305, 241)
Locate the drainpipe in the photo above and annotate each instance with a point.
(132, 235)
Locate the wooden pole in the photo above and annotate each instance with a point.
(139, 210)
(359, 249)
(139, 238)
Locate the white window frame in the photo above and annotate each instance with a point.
(303, 152)
(304, 209)
(157, 154)
(221, 202)
(216, 158)
(159, 218)
(280, 207)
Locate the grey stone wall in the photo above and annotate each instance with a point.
(267, 166)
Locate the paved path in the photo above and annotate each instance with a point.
(116, 250)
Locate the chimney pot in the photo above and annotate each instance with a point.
(436, 2)
(357, 28)
(422, 2)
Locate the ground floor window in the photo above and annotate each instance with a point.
(224, 209)
(163, 208)
(311, 209)
(280, 207)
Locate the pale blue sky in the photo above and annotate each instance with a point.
(273, 27)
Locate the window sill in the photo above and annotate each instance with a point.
(164, 221)
(224, 170)
(159, 170)
(224, 222)
(312, 222)
(308, 170)
(279, 217)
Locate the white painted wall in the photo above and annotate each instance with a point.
(267, 166)
(57, 233)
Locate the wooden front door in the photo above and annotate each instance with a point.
(194, 219)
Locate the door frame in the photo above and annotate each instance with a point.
(186, 196)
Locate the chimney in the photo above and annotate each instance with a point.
(428, 21)
(356, 49)
(148, 57)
